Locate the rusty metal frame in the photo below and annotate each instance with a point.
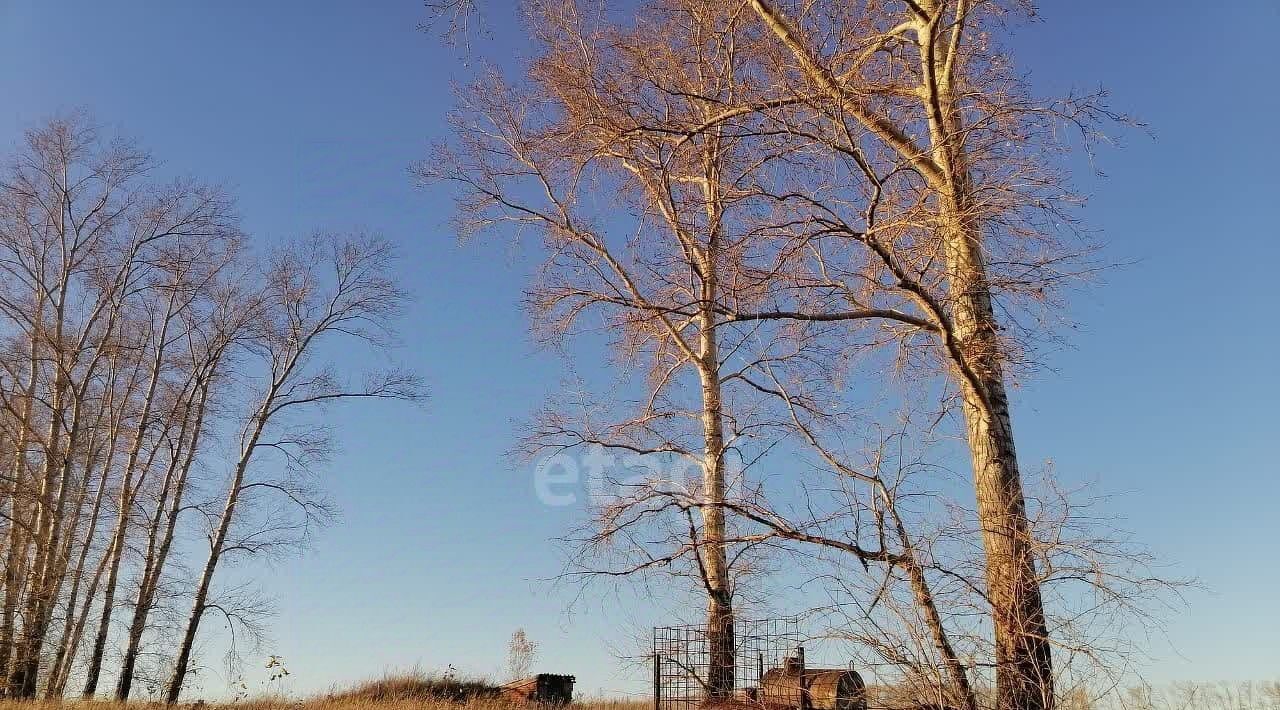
(680, 659)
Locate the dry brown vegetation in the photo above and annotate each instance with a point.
(415, 691)
(417, 687)
(326, 703)
(393, 691)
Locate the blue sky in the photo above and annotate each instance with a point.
(311, 111)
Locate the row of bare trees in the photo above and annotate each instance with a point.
(161, 407)
(824, 232)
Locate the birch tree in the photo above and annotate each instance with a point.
(913, 178)
(78, 606)
(931, 111)
(647, 239)
(329, 288)
(80, 228)
(135, 339)
(213, 329)
(64, 196)
(172, 286)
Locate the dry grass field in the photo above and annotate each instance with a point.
(321, 703)
(396, 691)
(415, 691)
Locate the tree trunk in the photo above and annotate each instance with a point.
(158, 554)
(77, 577)
(58, 686)
(1024, 663)
(15, 565)
(127, 489)
(1024, 666)
(116, 552)
(51, 573)
(721, 648)
(25, 666)
(70, 644)
(1024, 669)
(928, 606)
(16, 552)
(219, 538)
(712, 553)
(198, 605)
(53, 684)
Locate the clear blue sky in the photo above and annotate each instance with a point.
(311, 111)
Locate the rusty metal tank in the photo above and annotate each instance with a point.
(813, 688)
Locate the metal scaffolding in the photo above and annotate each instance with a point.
(681, 659)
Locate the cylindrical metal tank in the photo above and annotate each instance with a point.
(820, 688)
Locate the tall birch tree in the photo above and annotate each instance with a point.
(649, 234)
(325, 289)
(953, 151)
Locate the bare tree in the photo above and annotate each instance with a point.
(897, 559)
(133, 336)
(172, 279)
(315, 291)
(669, 265)
(65, 645)
(61, 208)
(212, 332)
(456, 21)
(117, 394)
(79, 230)
(520, 654)
(952, 154)
(901, 183)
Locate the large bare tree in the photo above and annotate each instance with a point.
(963, 210)
(214, 327)
(913, 195)
(649, 238)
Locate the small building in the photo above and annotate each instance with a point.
(541, 689)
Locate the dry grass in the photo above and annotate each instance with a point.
(414, 691)
(416, 687)
(318, 703)
(323, 703)
(409, 690)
